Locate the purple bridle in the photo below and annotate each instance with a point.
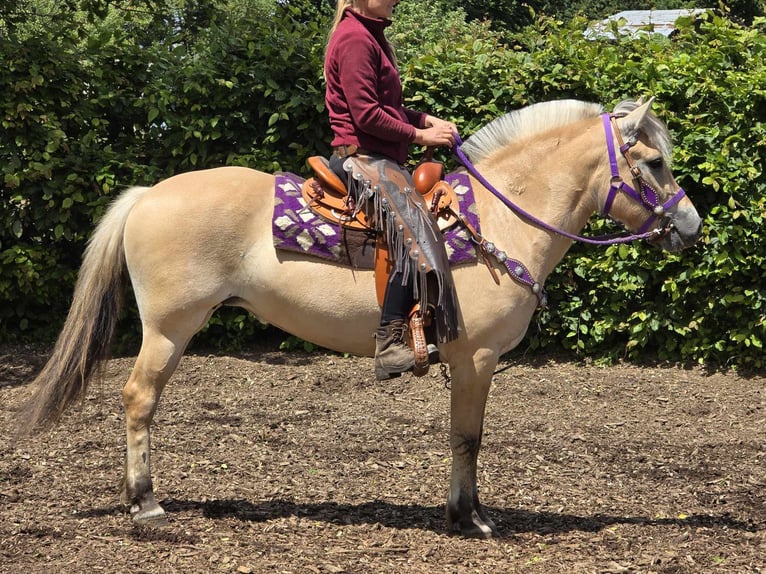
(647, 196)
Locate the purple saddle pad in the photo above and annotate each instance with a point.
(296, 228)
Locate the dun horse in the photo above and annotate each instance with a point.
(201, 240)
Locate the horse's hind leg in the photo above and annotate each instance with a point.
(155, 364)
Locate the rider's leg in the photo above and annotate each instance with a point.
(393, 355)
(397, 300)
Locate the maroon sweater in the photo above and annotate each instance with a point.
(364, 90)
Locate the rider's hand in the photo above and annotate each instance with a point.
(436, 133)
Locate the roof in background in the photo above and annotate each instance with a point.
(641, 21)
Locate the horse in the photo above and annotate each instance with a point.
(201, 240)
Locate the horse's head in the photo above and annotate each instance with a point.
(643, 194)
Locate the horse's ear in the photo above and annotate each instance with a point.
(631, 123)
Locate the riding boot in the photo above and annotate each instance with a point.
(392, 354)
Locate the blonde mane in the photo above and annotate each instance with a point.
(544, 116)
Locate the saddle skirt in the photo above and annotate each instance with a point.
(296, 228)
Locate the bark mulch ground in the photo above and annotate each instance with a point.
(274, 462)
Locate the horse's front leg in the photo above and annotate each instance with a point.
(140, 396)
(470, 385)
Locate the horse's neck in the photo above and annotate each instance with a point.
(549, 178)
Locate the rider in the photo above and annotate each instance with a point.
(367, 116)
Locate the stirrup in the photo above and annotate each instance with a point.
(418, 343)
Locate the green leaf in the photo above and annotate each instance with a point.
(623, 251)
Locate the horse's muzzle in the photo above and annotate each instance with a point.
(679, 231)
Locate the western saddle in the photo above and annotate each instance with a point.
(327, 196)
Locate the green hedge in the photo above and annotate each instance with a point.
(703, 305)
(82, 119)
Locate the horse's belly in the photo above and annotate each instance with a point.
(326, 304)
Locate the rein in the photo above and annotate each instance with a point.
(647, 197)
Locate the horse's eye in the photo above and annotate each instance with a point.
(656, 163)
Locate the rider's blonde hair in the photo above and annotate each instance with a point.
(340, 7)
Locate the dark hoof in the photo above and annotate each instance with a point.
(150, 518)
(474, 526)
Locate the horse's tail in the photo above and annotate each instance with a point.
(84, 342)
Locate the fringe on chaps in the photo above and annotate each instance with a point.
(385, 193)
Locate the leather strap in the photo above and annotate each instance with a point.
(342, 151)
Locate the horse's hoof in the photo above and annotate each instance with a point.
(475, 527)
(484, 531)
(151, 517)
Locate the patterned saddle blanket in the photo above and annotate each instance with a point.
(295, 227)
